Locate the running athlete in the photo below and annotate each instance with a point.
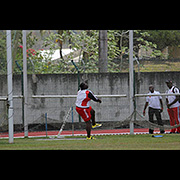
(85, 110)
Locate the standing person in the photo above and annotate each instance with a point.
(85, 110)
(155, 107)
(173, 104)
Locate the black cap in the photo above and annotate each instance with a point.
(81, 85)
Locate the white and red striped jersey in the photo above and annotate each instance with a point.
(172, 98)
(84, 97)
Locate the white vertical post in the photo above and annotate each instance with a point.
(10, 88)
(131, 78)
(25, 84)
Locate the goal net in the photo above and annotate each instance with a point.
(51, 100)
(70, 121)
(3, 116)
(55, 115)
(65, 118)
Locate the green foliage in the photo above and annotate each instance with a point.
(164, 38)
(85, 42)
(142, 40)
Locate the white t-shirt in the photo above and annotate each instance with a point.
(84, 97)
(154, 101)
(172, 98)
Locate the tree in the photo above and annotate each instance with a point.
(15, 48)
(164, 38)
(60, 32)
(103, 50)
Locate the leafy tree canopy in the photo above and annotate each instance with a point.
(85, 42)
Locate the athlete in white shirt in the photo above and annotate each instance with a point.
(84, 109)
(173, 104)
(155, 107)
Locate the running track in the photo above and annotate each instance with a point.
(83, 132)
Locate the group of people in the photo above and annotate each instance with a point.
(155, 104)
(156, 107)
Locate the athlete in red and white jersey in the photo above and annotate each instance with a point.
(173, 104)
(85, 110)
(84, 97)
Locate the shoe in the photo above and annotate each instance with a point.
(96, 126)
(91, 137)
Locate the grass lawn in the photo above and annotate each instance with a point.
(159, 66)
(118, 142)
(154, 66)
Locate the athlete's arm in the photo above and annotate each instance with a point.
(94, 98)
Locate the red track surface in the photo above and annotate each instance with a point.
(82, 132)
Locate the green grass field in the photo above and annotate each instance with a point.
(154, 66)
(118, 142)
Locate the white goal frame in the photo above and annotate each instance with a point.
(74, 96)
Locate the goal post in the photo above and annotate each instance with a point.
(161, 94)
(74, 96)
(25, 89)
(131, 79)
(10, 88)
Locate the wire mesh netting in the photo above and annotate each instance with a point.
(48, 75)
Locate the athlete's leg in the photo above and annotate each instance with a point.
(151, 118)
(88, 128)
(172, 119)
(176, 116)
(93, 117)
